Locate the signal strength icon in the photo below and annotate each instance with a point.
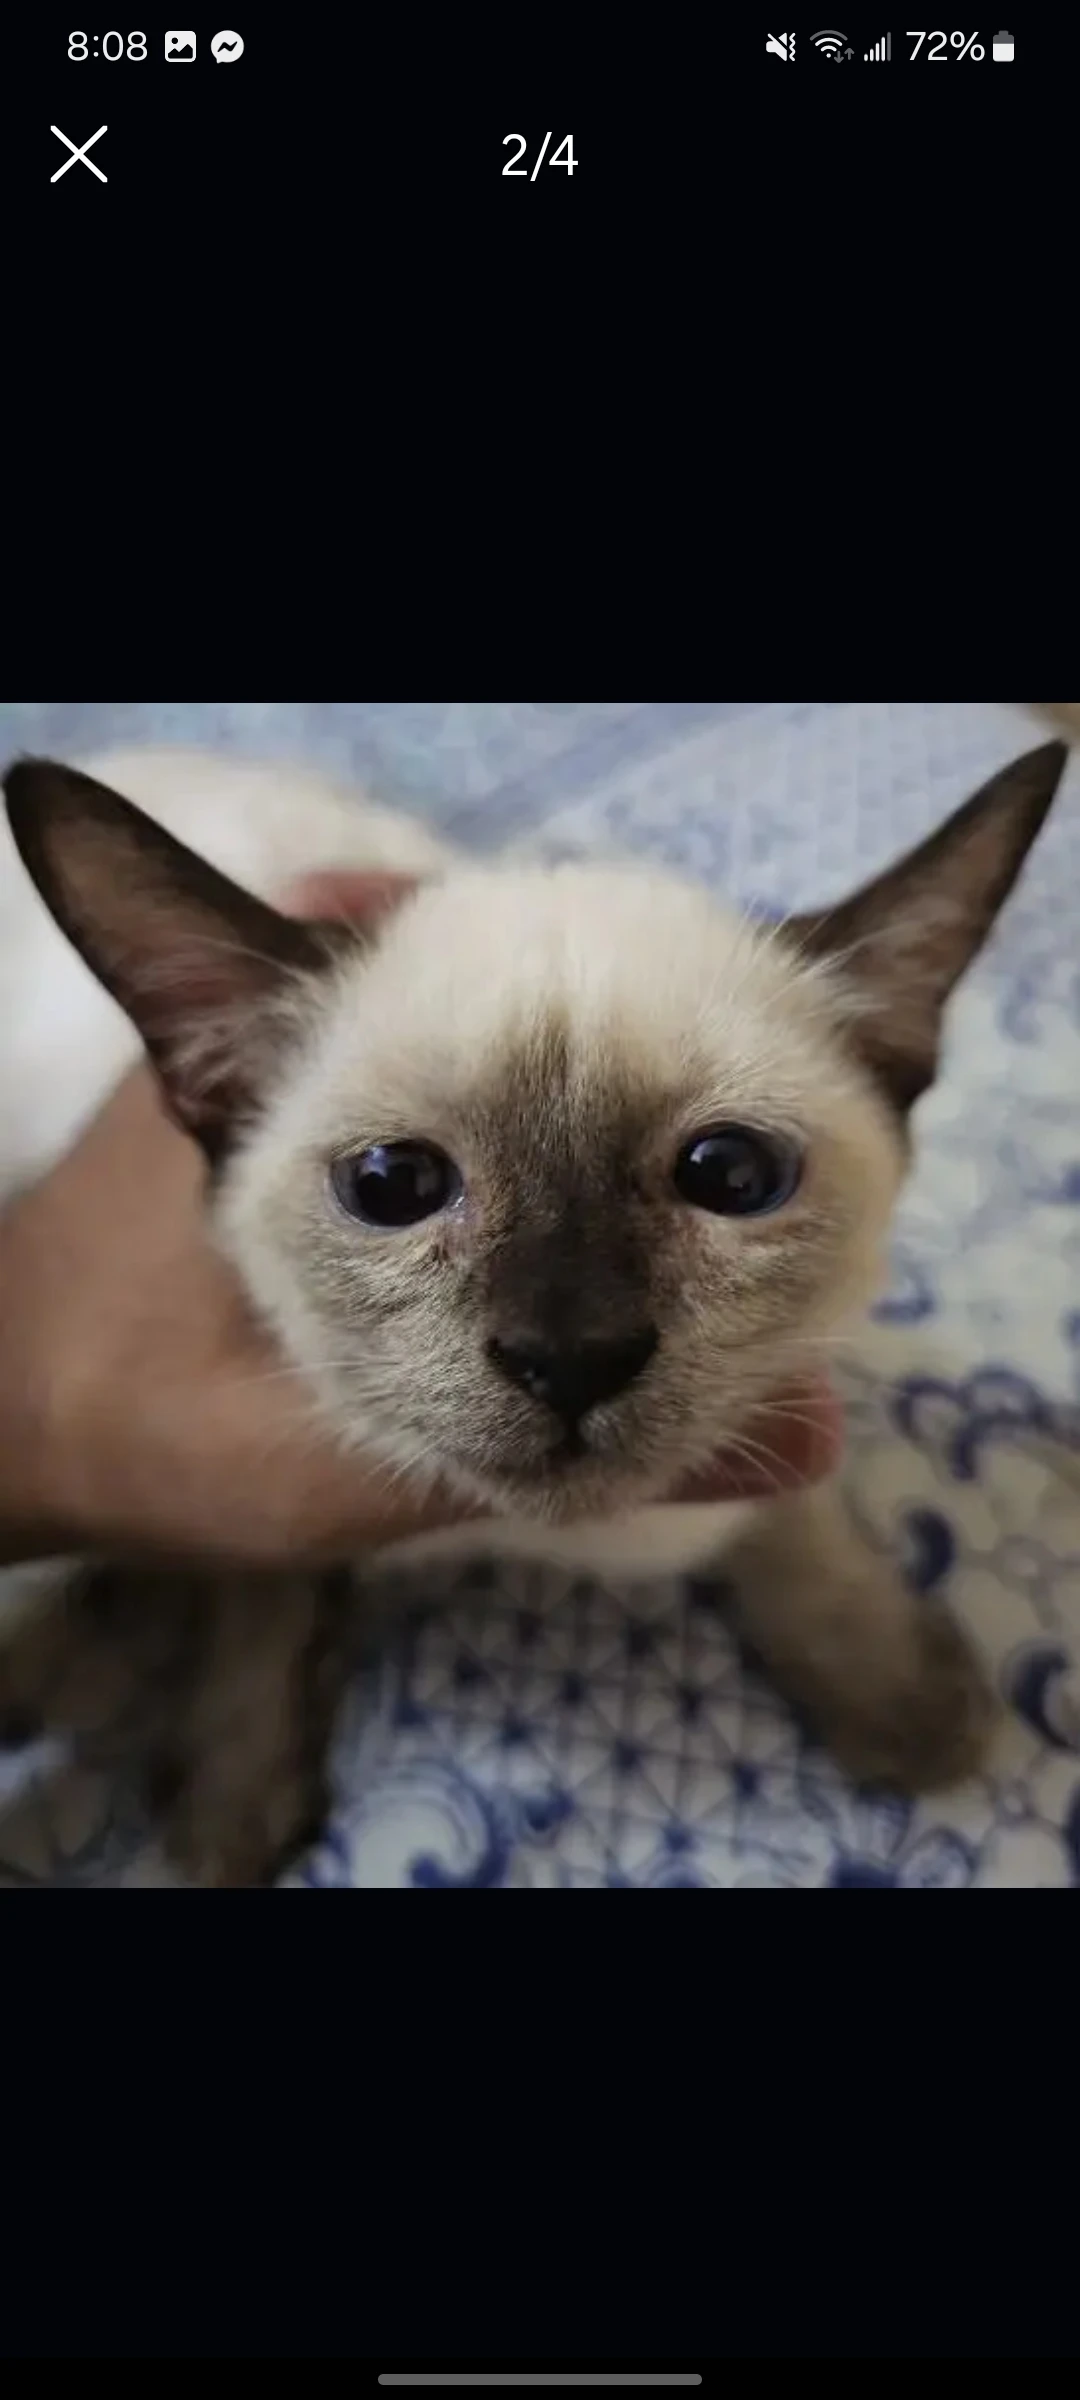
(881, 49)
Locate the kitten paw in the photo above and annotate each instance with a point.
(924, 1732)
(230, 1849)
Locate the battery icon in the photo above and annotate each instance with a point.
(1003, 45)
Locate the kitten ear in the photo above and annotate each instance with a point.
(196, 962)
(905, 940)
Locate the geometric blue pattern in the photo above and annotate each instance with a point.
(520, 1728)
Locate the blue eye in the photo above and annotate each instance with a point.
(395, 1183)
(735, 1172)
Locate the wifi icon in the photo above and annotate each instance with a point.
(832, 45)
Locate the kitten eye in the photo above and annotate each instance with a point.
(395, 1183)
(735, 1172)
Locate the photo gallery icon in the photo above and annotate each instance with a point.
(181, 47)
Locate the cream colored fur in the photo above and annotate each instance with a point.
(662, 987)
(668, 995)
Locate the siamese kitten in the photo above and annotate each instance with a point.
(544, 1182)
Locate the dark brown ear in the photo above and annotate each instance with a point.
(905, 940)
(197, 963)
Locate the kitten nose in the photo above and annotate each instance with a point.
(574, 1377)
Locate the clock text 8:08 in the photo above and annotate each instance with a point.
(105, 40)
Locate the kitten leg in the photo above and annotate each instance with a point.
(28, 1655)
(887, 1678)
(239, 1781)
(217, 1691)
(77, 1653)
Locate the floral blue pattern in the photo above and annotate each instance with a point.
(522, 1728)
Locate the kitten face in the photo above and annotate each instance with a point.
(562, 1037)
(573, 1306)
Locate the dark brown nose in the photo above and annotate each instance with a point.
(573, 1377)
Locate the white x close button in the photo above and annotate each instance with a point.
(77, 154)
